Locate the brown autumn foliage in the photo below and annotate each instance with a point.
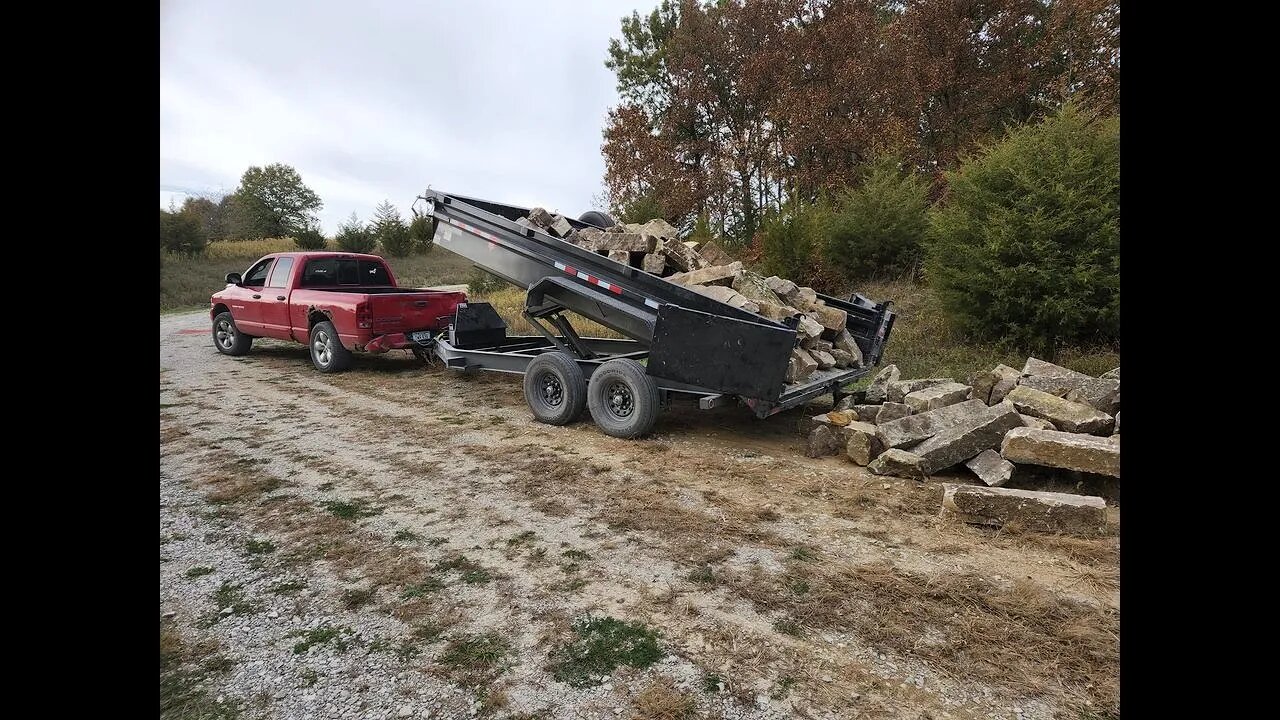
(731, 108)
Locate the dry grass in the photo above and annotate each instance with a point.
(662, 700)
(247, 249)
(1019, 636)
(509, 303)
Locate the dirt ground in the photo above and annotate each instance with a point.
(392, 519)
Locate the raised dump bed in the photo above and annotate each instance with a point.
(679, 340)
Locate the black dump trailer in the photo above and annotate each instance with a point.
(678, 340)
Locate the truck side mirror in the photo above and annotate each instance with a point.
(233, 278)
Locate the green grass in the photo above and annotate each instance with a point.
(923, 344)
(259, 547)
(356, 598)
(188, 674)
(576, 554)
(350, 509)
(339, 637)
(187, 283)
(599, 646)
(703, 576)
(403, 535)
(422, 589)
(229, 596)
(288, 587)
(476, 659)
(711, 683)
(803, 554)
(199, 570)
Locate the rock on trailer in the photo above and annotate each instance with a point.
(677, 340)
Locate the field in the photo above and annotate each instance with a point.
(401, 539)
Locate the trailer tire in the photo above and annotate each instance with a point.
(327, 352)
(555, 388)
(227, 337)
(624, 401)
(599, 219)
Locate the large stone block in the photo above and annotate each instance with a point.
(559, 226)
(878, 390)
(911, 429)
(833, 319)
(1052, 448)
(1099, 393)
(825, 360)
(776, 312)
(621, 256)
(753, 286)
(809, 329)
(824, 440)
(1111, 374)
(653, 263)
(1037, 367)
(937, 396)
(990, 468)
(898, 463)
(861, 445)
(901, 388)
(1036, 511)
(844, 341)
(806, 298)
(1035, 422)
(800, 366)
(891, 411)
(659, 228)
(844, 359)
(868, 413)
(588, 237)
(682, 257)
(540, 217)
(961, 442)
(714, 254)
(625, 242)
(985, 384)
(1064, 414)
(716, 275)
(781, 287)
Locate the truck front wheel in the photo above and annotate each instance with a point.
(327, 353)
(624, 401)
(555, 388)
(227, 338)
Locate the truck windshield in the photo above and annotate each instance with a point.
(332, 272)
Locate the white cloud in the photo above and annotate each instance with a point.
(501, 100)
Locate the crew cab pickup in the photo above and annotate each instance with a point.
(336, 303)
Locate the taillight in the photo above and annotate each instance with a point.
(364, 316)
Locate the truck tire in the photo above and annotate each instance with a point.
(624, 401)
(227, 338)
(327, 353)
(555, 388)
(600, 219)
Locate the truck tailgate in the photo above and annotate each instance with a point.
(422, 310)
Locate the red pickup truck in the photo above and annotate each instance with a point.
(334, 302)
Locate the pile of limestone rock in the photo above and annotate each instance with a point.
(655, 248)
(1043, 415)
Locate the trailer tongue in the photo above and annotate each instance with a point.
(679, 341)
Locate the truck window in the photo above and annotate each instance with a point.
(257, 274)
(280, 273)
(332, 272)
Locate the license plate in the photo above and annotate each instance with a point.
(420, 336)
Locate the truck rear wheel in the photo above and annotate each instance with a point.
(327, 353)
(227, 338)
(624, 401)
(555, 388)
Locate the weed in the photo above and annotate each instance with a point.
(356, 598)
(187, 671)
(325, 486)
(406, 651)
(787, 626)
(288, 587)
(475, 659)
(600, 645)
(350, 509)
(576, 554)
(662, 700)
(804, 553)
(437, 541)
(198, 571)
(428, 631)
(429, 585)
(703, 576)
(783, 687)
(403, 535)
(309, 677)
(259, 547)
(522, 538)
(229, 600)
(339, 636)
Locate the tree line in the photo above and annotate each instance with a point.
(274, 202)
(972, 144)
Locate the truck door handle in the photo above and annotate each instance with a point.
(257, 297)
(279, 297)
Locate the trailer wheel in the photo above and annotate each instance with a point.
(594, 217)
(555, 388)
(624, 401)
(227, 337)
(327, 353)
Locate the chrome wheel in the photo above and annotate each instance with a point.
(621, 402)
(225, 334)
(321, 348)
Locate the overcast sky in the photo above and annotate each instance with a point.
(500, 99)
